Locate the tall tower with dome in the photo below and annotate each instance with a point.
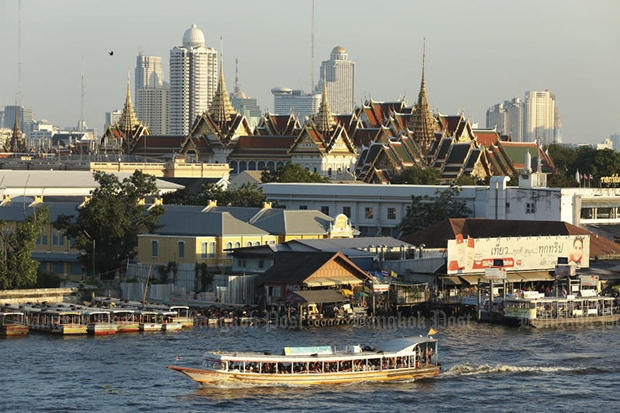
(193, 81)
(337, 76)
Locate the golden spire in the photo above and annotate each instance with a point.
(128, 118)
(221, 110)
(324, 120)
(422, 120)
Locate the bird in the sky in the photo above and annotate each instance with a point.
(111, 53)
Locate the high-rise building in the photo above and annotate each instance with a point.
(25, 118)
(540, 117)
(337, 74)
(303, 105)
(151, 94)
(112, 118)
(193, 81)
(148, 74)
(507, 118)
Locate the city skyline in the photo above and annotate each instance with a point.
(478, 53)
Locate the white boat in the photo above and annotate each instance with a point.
(99, 322)
(125, 320)
(183, 315)
(396, 360)
(536, 310)
(56, 320)
(148, 321)
(166, 318)
(13, 323)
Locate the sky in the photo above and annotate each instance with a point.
(478, 52)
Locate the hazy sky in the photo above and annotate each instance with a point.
(478, 53)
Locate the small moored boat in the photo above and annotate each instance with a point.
(13, 323)
(396, 360)
(99, 323)
(167, 320)
(125, 320)
(148, 321)
(183, 315)
(56, 320)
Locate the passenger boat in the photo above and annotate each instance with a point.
(99, 322)
(56, 320)
(166, 318)
(183, 315)
(536, 310)
(13, 323)
(396, 360)
(148, 321)
(125, 320)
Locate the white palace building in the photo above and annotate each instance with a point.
(378, 209)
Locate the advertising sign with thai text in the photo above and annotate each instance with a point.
(468, 255)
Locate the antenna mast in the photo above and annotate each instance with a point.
(312, 51)
(19, 53)
(83, 97)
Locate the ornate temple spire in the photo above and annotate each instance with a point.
(422, 120)
(128, 119)
(16, 143)
(324, 120)
(221, 110)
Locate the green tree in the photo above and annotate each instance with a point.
(425, 211)
(563, 158)
(291, 172)
(416, 175)
(17, 268)
(109, 224)
(246, 195)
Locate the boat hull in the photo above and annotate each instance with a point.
(208, 377)
(10, 330)
(103, 329)
(127, 327)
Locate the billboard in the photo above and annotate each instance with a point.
(468, 255)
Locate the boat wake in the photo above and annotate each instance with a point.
(471, 370)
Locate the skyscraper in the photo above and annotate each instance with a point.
(193, 81)
(540, 117)
(337, 74)
(149, 73)
(151, 93)
(507, 118)
(298, 102)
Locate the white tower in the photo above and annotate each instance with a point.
(540, 117)
(338, 75)
(193, 81)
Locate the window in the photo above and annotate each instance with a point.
(237, 244)
(587, 213)
(257, 243)
(303, 207)
(369, 212)
(42, 240)
(212, 250)
(391, 213)
(203, 250)
(181, 249)
(325, 209)
(347, 211)
(248, 244)
(530, 208)
(261, 263)
(228, 247)
(153, 248)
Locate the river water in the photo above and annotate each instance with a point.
(485, 368)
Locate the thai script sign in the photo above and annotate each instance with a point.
(473, 256)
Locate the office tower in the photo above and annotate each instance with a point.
(112, 118)
(507, 118)
(151, 94)
(302, 105)
(193, 81)
(540, 117)
(25, 118)
(148, 74)
(337, 74)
